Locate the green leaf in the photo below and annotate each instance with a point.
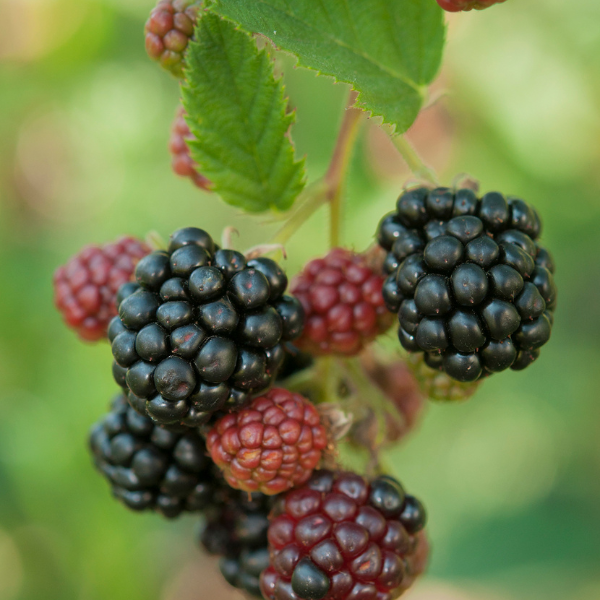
(237, 111)
(388, 50)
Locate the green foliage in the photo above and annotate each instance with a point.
(387, 49)
(238, 114)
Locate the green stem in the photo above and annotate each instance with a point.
(414, 161)
(310, 201)
(339, 166)
(328, 189)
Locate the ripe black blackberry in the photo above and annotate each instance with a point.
(203, 332)
(236, 530)
(473, 289)
(151, 467)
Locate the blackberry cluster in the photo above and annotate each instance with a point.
(271, 446)
(466, 5)
(341, 296)
(151, 467)
(203, 331)
(85, 289)
(343, 538)
(236, 530)
(182, 162)
(473, 289)
(169, 29)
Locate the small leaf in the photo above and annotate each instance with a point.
(237, 112)
(389, 50)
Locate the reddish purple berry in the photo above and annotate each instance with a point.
(85, 289)
(342, 537)
(343, 304)
(168, 31)
(182, 162)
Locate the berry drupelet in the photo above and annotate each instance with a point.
(151, 467)
(169, 30)
(341, 537)
(85, 289)
(465, 5)
(182, 162)
(472, 288)
(236, 530)
(341, 296)
(271, 446)
(203, 332)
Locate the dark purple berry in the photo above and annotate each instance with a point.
(469, 284)
(432, 296)
(443, 253)
(494, 212)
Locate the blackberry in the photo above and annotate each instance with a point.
(342, 299)
(151, 467)
(204, 331)
(182, 162)
(475, 294)
(236, 530)
(85, 289)
(465, 5)
(169, 29)
(271, 446)
(342, 537)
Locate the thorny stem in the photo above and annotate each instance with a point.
(415, 163)
(329, 188)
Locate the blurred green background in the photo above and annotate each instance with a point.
(511, 479)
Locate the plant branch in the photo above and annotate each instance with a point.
(328, 189)
(414, 161)
(339, 166)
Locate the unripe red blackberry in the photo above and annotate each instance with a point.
(465, 5)
(169, 30)
(341, 296)
(182, 162)
(472, 288)
(204, 331)
(151, 467)
(342, 537)
(85, 289)
(271, 446)
(235, 529)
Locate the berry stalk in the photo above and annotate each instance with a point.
(414, 162)
(338, 167)
(329, 187)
